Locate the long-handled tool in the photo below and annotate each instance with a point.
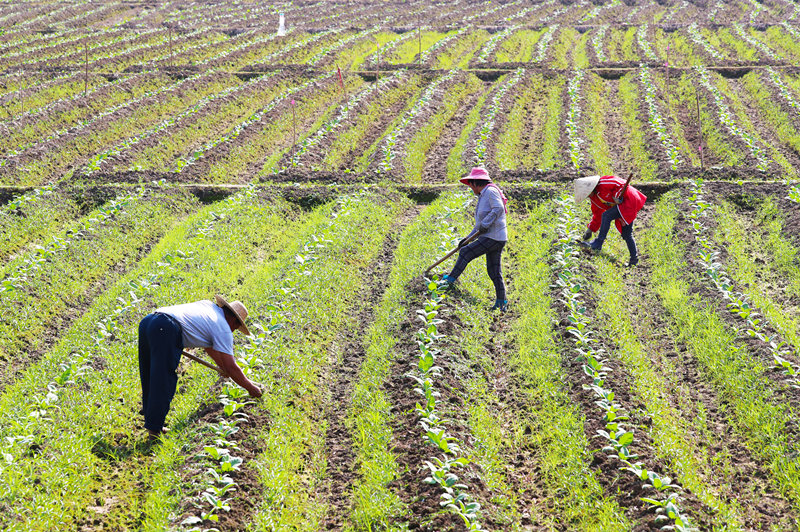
(438, 262)
(625, 186)
(203, 362)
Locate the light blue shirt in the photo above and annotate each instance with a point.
(203, 324)
(491, 213)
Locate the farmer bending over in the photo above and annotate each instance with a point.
(167, 331)
(490, 225)
(612, 200)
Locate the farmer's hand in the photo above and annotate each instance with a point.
(482, 230)
(462, 242)
(587, 235)
(255, 391)
(618, 199)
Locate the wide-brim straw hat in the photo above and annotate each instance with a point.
(238, 308)
(476, 173)
(584, 186)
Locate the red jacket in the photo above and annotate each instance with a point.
(602, 199)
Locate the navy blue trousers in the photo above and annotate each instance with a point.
(493, 249)
(160, 346)
(627, 232)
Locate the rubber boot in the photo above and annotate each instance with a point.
(500, 304)
(446, 283)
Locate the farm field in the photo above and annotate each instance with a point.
(157, 153)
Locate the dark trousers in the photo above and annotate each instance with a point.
(160, 346)
(492, 249)
(627, 232)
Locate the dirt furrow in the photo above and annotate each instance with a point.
(616, 131)
(435, 169)
(411, 453)
(341, 375)
(622, 485)
(737, 475)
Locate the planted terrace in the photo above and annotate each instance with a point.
(161, 155)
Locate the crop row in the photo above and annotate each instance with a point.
(388, 152)
(97, 339)
(737, 302)
(756, 410)
(616, 434)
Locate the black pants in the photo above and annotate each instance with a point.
(627, 232)
(160, 346)
(492, 249)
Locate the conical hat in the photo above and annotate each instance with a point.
(584, 186)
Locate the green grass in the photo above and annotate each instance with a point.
(725, 38)
(265, 148)
(417, 148)
(729, 90)
(37, 215)
(408, 52)
(783, 124)
(54, 163)
(459, 54)
(597, 111)
(369, 418)
(760, 258)
(348, 140)
(105, 98)
(518, 47)
(571, 496)
(192, 132)
(293, 457)
(83, 413)
(631, 320)
(353, 56)
(362, 162)
(636, 120)
(784, 43)
(552, 157)
(67, 278)
(518, 145)
(756, 413)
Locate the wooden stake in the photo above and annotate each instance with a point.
(700, 127)
(86, 71)
(419, 37)
(294, 137)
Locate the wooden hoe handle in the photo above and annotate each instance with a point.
(625, 186)
(438, 262)
(203, 362)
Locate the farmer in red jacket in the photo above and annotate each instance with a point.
(612, 200)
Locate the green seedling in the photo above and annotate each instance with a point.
(447, 444)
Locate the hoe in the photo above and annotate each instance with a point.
(438, 262)
(203, 362)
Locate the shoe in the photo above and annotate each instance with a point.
(153, 436)
(501, 305)
(595, 245)
(445, 283)
(633, 262)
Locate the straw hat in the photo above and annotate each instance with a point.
(476, 173)
(584, 186)
(238, 309)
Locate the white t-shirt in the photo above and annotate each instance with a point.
(203, 324)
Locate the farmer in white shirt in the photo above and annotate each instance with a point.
(490, 225)
(167, 331)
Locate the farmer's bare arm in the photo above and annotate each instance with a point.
(229, 366)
